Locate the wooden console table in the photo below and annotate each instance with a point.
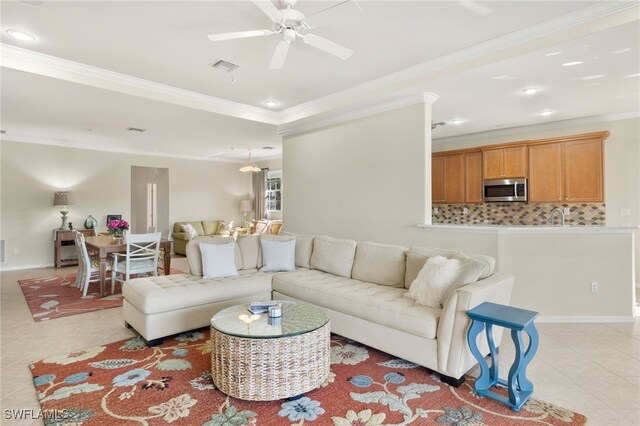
(65, 237)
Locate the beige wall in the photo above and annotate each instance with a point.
(622, 165)
(102, 184)
(363, 179)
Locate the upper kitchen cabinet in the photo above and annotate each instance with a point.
(583, 171)
(504, 163)
(473, 177)
(447, 179)
(568, 170)
(545, 173)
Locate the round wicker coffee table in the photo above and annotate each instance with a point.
(265, 359)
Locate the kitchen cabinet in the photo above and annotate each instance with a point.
(473, 177)
(583, 171)
(437, 180)
(570, 172)
(447, 179)
(504, 163)
(456, 178)
(545, 173)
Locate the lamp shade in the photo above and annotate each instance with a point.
(245, 206)
(63, 198)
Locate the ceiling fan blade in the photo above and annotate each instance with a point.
(270, 10)
(240, 34)
(328, 46)
(279, 55)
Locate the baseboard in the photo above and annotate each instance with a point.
(21, 267)
(547, 318)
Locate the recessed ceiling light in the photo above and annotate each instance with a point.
(530, 91)
(213, 155)
(633, 75)
(557, 52)
(619, 51)
(546, 112)
(593, 77)
(20, 35)
(570, 64)
(503, 77)
(271, 103)
(456, 121)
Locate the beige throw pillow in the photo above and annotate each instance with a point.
(433, 281)
(189, 229)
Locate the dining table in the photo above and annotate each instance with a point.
(101, 246)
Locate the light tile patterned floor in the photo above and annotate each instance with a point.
(590, 368)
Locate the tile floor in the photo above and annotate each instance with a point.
(590, 368)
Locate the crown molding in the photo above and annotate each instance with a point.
(519, 130)
(51, 66)
(48, 142)
(354, 114)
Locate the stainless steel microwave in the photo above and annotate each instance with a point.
(505, 190)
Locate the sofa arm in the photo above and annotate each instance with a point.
(181, 236)
(454, 357)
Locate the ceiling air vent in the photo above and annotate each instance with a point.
(268, 147)
(136, 129)
(222, 65)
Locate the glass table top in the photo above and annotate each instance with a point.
(297, 318)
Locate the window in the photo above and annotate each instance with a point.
(273, 196)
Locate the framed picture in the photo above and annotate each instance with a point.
(111, 217)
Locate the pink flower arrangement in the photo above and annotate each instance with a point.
(117, 226)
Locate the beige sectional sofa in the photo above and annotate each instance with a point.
(360, 285)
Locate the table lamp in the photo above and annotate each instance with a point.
(245, 208)
(63, 199)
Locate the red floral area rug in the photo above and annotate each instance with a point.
(56, 297)
(127, 383)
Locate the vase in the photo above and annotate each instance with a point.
(91, 223)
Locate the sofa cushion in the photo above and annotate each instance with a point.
(195, 258)
(304, 248)
(333, 256)
(380, 264)
(164, 293)
(417, 257)
(376, 303)
(218, 260)
(210, 227)
(250, 249)
(278, 256)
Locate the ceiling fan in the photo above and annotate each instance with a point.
(291, 24)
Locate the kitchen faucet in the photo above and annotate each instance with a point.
(553, 212)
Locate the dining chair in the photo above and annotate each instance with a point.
(88, 267)
(141, 257)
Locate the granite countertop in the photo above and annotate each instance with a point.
(522, 229)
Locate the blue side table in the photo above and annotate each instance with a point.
(486, 315)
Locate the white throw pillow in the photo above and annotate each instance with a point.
(470, 271)
(189, 229)
(218, 260)
(433, 281)
(278, 255)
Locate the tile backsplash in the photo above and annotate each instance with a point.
(517, 214)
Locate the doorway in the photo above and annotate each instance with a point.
(150, 200)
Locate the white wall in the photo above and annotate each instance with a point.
(101, 181)
(363, 179)
(622, 164)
